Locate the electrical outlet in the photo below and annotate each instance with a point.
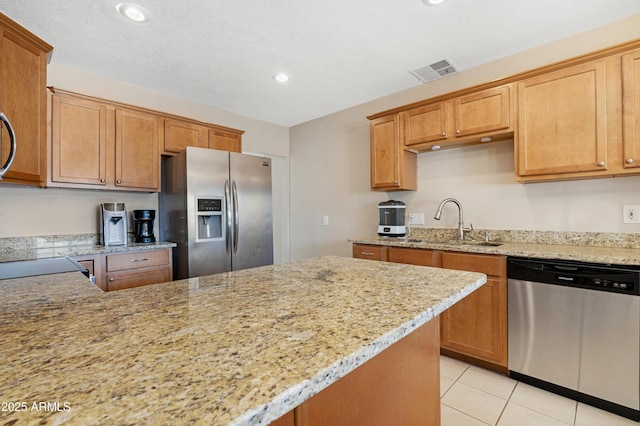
(416, 218)
(630, 214)
(325, 220)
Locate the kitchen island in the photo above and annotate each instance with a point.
(243, 347)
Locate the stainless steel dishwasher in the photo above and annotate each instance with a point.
(574, 329)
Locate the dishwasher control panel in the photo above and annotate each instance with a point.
(612, 278)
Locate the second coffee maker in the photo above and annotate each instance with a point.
(143, 226)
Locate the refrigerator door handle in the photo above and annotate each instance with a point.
(236, 218)
(228, 215)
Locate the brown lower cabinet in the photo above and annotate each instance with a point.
(475, 328)
(130, 269)
(399, 386)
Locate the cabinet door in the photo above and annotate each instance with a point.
(367, 251)
(137, 154)
(23, 62)
(562, 121)
(425, 124)
(225, 140)
(392, 167)
(79, 141)
(483, 112)
(180, 134)
(631, 108)
(476, 326)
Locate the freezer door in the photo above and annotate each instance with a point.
(207, 170)
(252, 243)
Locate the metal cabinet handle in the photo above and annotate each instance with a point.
(629, 161)
(118, 182)
(111, 280)
(366, 253)
(601, 164)
(458, 132)
(101, 180)
(443, 134)
(12, 150)
(139, 260)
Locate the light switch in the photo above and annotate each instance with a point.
(416, 218)
(325, 220)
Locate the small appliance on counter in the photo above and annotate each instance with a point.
(143, 226)
(392, 219)
(113, 224)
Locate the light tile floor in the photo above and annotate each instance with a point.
(472, 396)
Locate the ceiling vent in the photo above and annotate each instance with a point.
(434, 71)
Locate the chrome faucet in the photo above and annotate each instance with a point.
(461, 228)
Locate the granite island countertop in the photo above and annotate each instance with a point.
(243, 347)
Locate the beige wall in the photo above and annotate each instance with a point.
(330, 169)
(30, 211)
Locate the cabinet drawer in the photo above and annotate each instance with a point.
(415, 256)
(364, 251)
(136, 260)
(485, 264)
(122, 280)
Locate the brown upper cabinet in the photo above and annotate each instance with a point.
(581, 120)
(563, 121)
(225, 139)
(631, 108)
(97, 144)
(392, 166)
(23, 99)
(179, 134)
(575, 119)
(462, 120)
(398, 136)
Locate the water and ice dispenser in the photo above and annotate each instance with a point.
(210, 218)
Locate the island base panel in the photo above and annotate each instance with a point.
(400, 386)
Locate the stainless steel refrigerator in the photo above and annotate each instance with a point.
(216, 206)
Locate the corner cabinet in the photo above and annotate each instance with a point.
(96, 144)
(393, 168)
(23, 99)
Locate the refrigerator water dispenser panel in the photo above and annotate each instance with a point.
(209, 218)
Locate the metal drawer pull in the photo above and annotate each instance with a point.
(139, 260)
(365, 253)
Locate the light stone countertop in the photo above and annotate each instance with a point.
(16, 255)
(242, 348)
(584, 253)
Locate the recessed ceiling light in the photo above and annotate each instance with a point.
(282, 77)
(433, 2)
(133, 11)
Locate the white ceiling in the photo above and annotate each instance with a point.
(340, 53)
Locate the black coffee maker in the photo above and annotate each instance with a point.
(143, 226)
